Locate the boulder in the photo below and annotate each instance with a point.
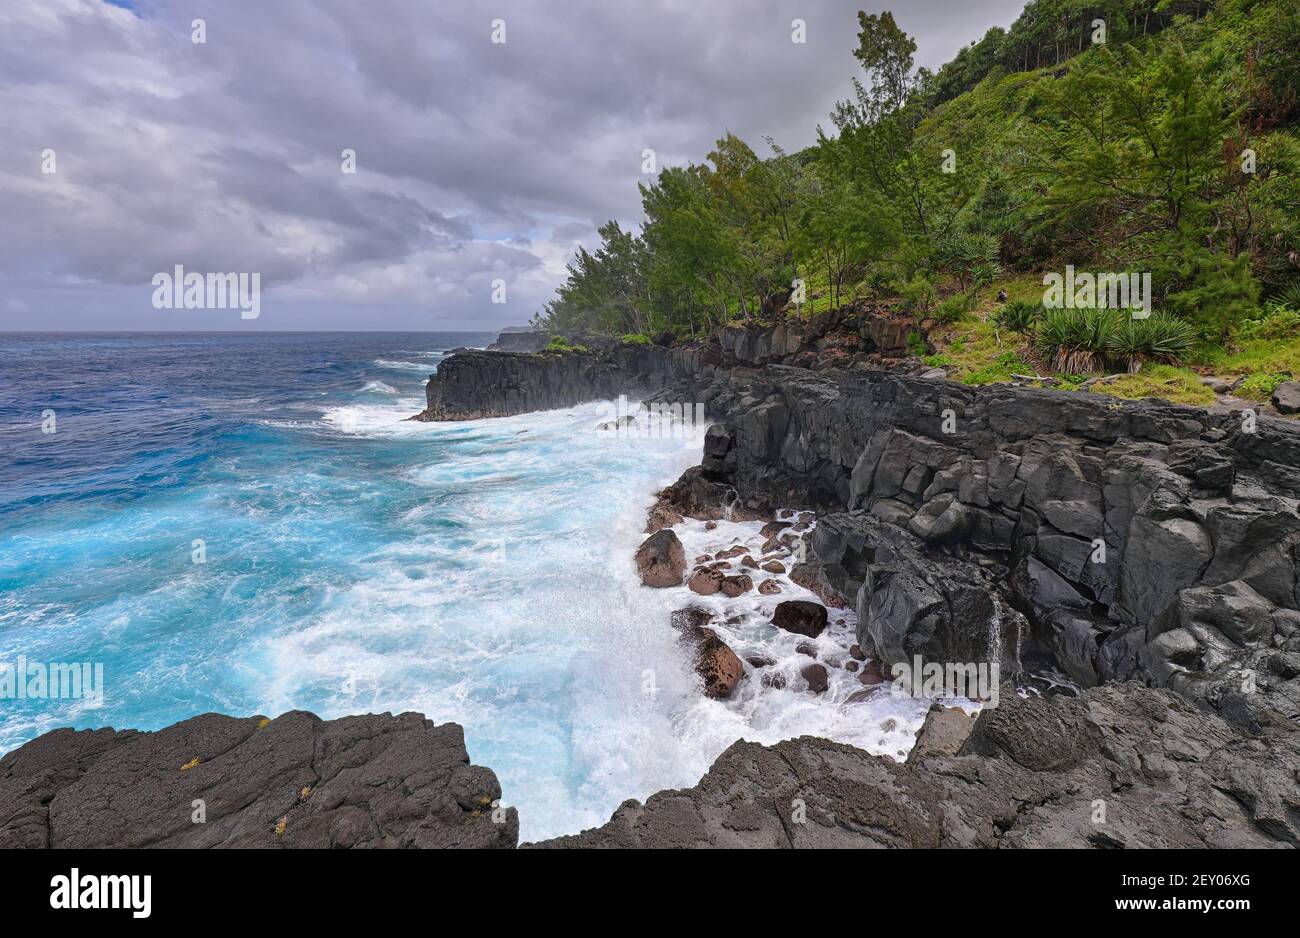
(1287, 397)
(733, 586)
(943, 733)
(800, 617)
(718, 666)
(660, 560)
(816, 677)
(705, 581)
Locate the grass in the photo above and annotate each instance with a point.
(1265, 363)
(975, 352)
(1260, 387)
(1168, 382)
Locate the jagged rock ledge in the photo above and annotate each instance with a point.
(1119, 766)
(220, 781)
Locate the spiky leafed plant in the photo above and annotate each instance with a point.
(1161, 338)
(1075, 341)
(1288, 296)
(1019, 316)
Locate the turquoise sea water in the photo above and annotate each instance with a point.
(357, 562)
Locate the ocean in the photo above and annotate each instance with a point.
(248, 524)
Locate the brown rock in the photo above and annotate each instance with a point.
(749, 562)
(759, 661)
(874, 673)
(850, 665)
(816, 677)
(774, 679)
(660, 560)
(769, 587)
(718, 666)
(801, 617)
(704, 581)
(773, 566)
(855, 651)
(806, 648)
(943, 732)
(734, 586)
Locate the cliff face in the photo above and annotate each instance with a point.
(217, 781)
(472, 385)
(1140, 539)
(520, 341)
(499, 383)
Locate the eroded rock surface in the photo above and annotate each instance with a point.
(297, 781)
(1120, 766)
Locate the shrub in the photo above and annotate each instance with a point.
(559, 343)
(636, 338)
(1159, 338)
(971, 258)
(1280, 322)
(880, 280)
(951, 309)
(1075, 341)
(918, 296)
(1219, 293)
(1019, 316)
(916, 344)
(1260, 387)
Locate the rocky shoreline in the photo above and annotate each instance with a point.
(1147, 553)
(1117, 539)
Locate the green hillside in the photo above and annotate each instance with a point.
(1131, 136)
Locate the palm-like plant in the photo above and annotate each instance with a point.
(1075, 341)
(1019, 316)
(1157, 338)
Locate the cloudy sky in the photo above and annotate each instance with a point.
(475, 160)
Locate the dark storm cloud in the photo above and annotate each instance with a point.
(475, 160)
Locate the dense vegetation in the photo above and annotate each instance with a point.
(1166, 145)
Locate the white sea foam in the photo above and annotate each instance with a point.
(519, 615)
(392, 365)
